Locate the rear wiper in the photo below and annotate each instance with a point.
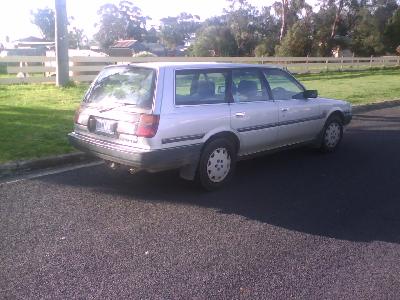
(114, 107)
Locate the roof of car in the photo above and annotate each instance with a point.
(188, 65)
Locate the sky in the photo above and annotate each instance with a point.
(15, 14)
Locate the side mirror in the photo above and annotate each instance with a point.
(310, 94)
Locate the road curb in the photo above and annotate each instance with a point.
(377, 105)
(23, 166)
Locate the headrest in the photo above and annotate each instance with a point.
(247, 87)
(206, 88)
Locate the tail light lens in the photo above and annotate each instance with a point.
(77, 113)
(147, 126)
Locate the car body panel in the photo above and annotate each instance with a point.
(299, 120)
(255, 125)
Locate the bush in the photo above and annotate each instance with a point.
(265, 48)
(3, 68)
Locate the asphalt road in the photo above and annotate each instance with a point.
(296, 224)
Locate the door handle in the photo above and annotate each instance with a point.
(284, 109)
(240, 115)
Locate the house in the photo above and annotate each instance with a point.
(130, 47)
(339, 52)
(33, 42)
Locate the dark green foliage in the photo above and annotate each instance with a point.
(175, 30)
(297, 41)
(215, 40)
(366, 38)
(3, 68)
(392, 32)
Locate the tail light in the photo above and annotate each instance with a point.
(77, 113)
(147, 126)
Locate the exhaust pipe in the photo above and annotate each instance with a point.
(133, 171)
(113, 165)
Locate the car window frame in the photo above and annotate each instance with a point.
(262, 78)
(154, 84)
(289, 75)
(227, 99)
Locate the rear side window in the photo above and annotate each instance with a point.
(124, 85)
(195, 87)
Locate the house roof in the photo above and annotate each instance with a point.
(31, 39)
(124, 44)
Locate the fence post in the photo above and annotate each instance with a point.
(326, 64)
(341, 64)
(307, 70)
(370, 62)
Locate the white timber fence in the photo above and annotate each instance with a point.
(41, 69)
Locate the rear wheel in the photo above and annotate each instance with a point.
(217, 163)
(332, 135)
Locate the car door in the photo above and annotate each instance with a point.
(299, 119)
(254, 115)
(200, 106)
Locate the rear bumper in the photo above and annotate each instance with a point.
(150, 160)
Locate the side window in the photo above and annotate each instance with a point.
(247, 86)
(283, 86)
(195, 87)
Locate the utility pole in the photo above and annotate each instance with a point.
(61, 43)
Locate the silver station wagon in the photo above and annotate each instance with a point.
(201, 117)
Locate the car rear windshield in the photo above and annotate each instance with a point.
(125, 85)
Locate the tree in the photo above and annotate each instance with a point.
(392, 32)
(298, 40)
(289, 12)
(215, 40)
(366, 38)
(151, 35)
(44, 18)
(124, 21)
(175, 30)
(77, 38)
(242, 19)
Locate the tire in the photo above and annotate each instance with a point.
(217, 164)
(332, 134)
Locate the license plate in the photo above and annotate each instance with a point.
(105, 126)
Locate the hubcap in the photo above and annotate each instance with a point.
(332, 135)
(218, 164)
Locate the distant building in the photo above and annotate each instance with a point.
(130, 47)
(33, 42)
(30, 46)
(339, 52)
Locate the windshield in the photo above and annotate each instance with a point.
(123, 85)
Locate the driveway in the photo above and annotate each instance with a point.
(296, 224)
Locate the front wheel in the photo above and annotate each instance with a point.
(332, 134)
(217, 163)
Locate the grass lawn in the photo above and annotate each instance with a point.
(356, 87)
(35, 118)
